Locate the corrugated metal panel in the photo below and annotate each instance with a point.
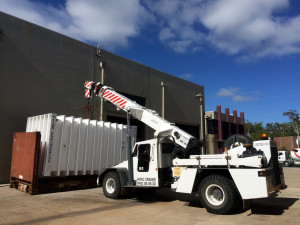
(45, 124)
(76, 146)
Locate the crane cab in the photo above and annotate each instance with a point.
(152, 162)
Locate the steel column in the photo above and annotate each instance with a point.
(220, 133)
(101, 99)
(163, 84)
(235, 120)
(129, 153)
(242, 115)
(228, 120)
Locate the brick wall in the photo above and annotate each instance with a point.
(288, 142)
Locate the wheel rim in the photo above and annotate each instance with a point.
(215, 195)
(110, 185)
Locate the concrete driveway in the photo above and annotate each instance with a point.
(91, 207)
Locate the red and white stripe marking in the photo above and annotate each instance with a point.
(87, 93)
(101, 91)
(88, 84)
(115, 99)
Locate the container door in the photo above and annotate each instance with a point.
(145, 165)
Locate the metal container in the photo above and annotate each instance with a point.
(75, 146)
(24, 163)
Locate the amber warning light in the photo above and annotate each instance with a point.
(264, 136)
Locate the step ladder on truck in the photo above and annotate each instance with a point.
(223, 182)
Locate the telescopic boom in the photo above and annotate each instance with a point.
(162, 127)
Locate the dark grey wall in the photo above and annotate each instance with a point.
(42, 71)
(181, 105)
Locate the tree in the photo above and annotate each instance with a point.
(293, 116)
(292, 128)
(287, 130)
(254, 130)
(279, 129)
(273, 129)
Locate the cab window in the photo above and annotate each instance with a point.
(143, 157)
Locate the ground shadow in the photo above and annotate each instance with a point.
(272, 206)
(166, 195)
(264, 206)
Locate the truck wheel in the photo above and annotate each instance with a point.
(112, 185)
(218, 194)
(245, 140)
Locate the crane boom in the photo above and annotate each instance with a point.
(162, 127)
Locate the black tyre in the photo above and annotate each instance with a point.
(245, 140)
(112, 185)
(219, 195)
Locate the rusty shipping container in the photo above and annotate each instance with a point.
(65, 149)
(25, 159)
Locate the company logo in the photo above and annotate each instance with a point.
(261, 144)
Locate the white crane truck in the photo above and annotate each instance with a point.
(295, 155)
(222, 182)
(292, 159)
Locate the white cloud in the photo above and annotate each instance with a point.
(110, 23)
(186, 76)
(175, 20)
(166, 34)
(234, 94)
(180, 46)
(239, 98)
(245, 29)
(227, 92)
(251, 27)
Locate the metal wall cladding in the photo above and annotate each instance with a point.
(76, 146)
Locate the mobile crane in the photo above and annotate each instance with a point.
(222, 182)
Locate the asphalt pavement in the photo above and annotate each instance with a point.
(90, 206)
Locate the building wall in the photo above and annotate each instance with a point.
(42, 71)
(288, 142)
(181, 105)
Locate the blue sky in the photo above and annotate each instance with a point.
(246, 53)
